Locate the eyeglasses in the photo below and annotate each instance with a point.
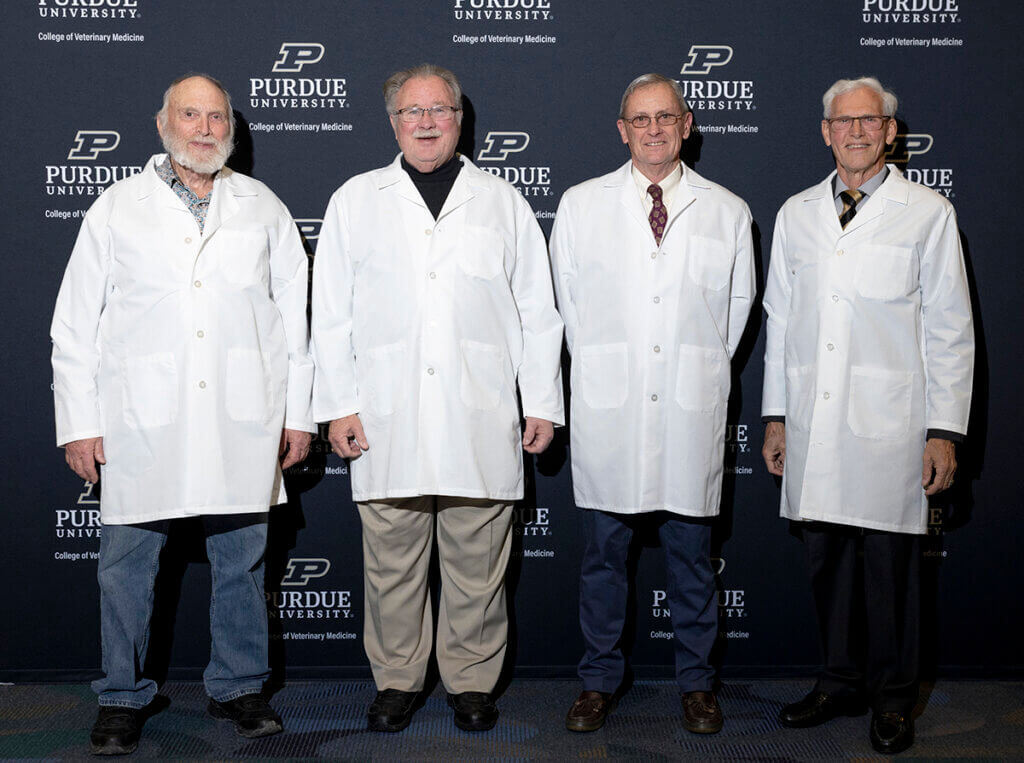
(664, 120)
(870, 122)
(437, 113)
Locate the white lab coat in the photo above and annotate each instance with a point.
(870, 343)
(184, 351)
(423, 328)
(651, 331)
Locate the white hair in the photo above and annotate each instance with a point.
(646, 80)
(843, 86)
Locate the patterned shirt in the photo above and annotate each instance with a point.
(198, 207)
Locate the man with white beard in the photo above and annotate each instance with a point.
(182, 382)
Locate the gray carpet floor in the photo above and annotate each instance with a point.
(965, 720)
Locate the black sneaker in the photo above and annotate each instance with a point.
(116, 731)
(391, 710)
(474, 710)
(250, 713)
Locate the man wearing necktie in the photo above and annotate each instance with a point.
(654, 279)
(867, 386)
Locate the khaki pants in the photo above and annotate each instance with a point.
(473, 539)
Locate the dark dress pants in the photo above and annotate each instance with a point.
(604, 595)
(867, 592)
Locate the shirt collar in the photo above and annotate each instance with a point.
(867, 188)
(668, 184)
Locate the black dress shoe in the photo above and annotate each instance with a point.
(391, 710)
(891, 732)
(589, 711)
(250, 713)
(116, 731)
(474, 710)
(818, 707)
(701, 712)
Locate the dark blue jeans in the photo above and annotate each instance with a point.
(129, 559)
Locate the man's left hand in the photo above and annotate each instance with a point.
(939, 464)
(294, 447)
(537, 435)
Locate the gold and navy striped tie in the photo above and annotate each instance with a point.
(850, 201)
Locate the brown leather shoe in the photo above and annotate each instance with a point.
(701, 713)
(589, 711)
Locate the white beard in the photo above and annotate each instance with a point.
(178, 149)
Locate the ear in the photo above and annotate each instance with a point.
(159, 129)
(621, 124)
(890, 130)
(687, 125)
(825, 132)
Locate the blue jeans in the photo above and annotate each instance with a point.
(128, 563)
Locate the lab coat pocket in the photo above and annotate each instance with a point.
(149, 390)
(386, 372)
(880, 403)
(701, 376)
(481, 252)
(482, 375)
(241, 255)
(604, 374)
(710, 262)
(800, 385)
(882, 271)
(246, 391)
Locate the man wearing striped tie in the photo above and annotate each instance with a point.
(867, 387)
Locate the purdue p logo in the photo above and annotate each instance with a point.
(498, 145)
(89, 144)
(908, 145)
(294, 55)
(301, 571)
(704, 57)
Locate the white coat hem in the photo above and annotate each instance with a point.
(369, 496)
(181, 513)
(838, 519)
(619, 509)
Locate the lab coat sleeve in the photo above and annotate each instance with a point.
(335, 394)
(540, 372)
(743, 282)
(75, 330)
(563, 265)
(948, 327)
(289, 271)
(777, 295)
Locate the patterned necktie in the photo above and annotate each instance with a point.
(658, 217)
(850, 201)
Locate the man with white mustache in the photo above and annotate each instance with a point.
(432, 307)
(869, 362)
(182, 383)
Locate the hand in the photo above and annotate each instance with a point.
(296, 444)
(83, 455)
(538, 435)
(774, 449)
(347, 438)
(939, 464)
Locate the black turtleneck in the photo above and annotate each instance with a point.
(435, 186)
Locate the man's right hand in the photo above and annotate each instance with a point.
(774, 450)
(347, 438)
(83, 455)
